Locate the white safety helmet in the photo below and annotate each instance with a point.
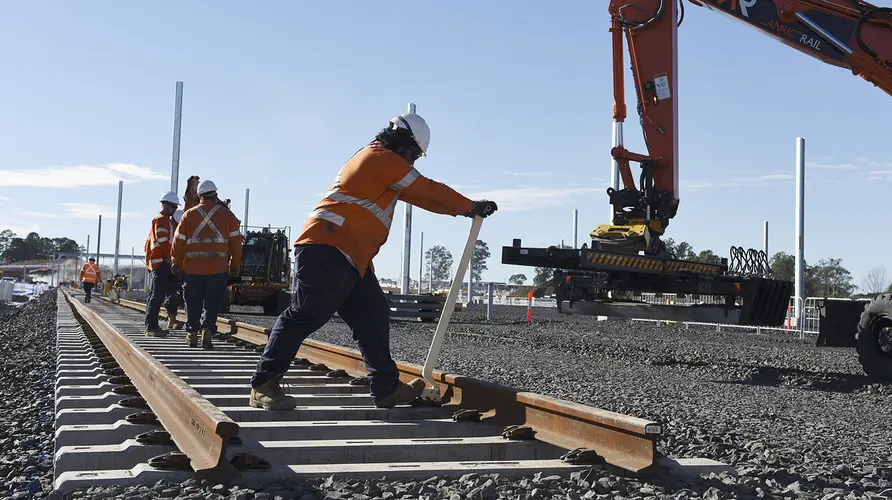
(178, 215)
(207, 186)
(417, 127)
(171, 197)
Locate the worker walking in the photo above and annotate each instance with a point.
(175, 287)
(208, 246)
(158, 262)
(89, 277)
(333, 259)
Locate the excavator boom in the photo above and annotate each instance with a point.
(850, 34)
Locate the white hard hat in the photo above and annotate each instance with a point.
(417, 126)
(178, 215)
(207, 187)
(170, 197)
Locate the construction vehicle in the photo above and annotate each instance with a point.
(264, 275)
(628, 254)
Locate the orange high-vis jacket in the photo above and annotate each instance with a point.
(207, 240)
(158, 244)
(356, 213)
(90, 272)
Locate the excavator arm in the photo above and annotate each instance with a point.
(850, 34)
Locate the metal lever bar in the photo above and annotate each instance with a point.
(448, 307)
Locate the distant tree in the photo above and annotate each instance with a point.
(831, 279)
(682, 250)
(517, 279)
(876, 281)
(543, 276)
(442, 262)
(6, 237)
(478, 259)
(708, 257)
(783, 266)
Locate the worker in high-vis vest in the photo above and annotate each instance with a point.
(175, 288)
(89, 277)
(207, 248)
(158, 262)
(333, 259)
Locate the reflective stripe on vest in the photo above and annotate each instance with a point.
(207, 222)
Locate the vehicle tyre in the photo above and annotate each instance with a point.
(874, 338)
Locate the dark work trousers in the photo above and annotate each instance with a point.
(174, 296)
(159, 281)
(203, 292)
(88, 291)
(325, 283)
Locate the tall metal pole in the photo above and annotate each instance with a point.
(420, 262)
(575, 228)
(247, 199)
(800, 229)
(130, 281)
(471, 271)
(177, 121)
(407, 236)
(98, 239)
(430, 271)
(87, 250)
(118, 228)
(765, 239)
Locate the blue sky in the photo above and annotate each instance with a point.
(518, 95)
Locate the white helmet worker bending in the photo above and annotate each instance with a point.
(417, 127)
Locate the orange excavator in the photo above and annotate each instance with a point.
(628, 253)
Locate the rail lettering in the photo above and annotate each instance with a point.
(198, 427)
(811, 42)
(783, 29)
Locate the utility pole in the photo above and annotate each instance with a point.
(118, 228)
(800, 230)
(177, 122)
(407, 236)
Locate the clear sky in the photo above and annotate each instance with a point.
(518, 95)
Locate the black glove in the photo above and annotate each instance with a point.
(483, 208)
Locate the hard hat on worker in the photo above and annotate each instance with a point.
(207, 186)
(178, 215)
(417, 127)
(170, 197)
(92, 258)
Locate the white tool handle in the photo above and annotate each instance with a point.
(449, 306)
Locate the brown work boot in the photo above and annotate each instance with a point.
(271, 396)
(172, 323)
(206, 334)
(156, 331)
(192, 339)
(402, 394)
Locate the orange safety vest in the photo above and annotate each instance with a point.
(157, 247)
(90, 272)
(207, 240)
(356, 213)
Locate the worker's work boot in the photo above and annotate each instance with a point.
(192, 339)
(403, 394)
(171, 323)
(156, 331)
(206, 334)
(271, 396)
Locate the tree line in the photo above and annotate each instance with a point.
(32, 247)
(442, 262)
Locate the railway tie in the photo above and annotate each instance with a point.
(132, 409)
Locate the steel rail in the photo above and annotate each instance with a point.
(199, 429)
(621, 440)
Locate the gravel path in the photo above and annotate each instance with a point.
(27, 350)
(793, 419)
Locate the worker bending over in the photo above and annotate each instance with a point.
(208, 244)
(89, 277)
(333, 259)
(158, 262)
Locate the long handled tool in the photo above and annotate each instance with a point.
(433, 393)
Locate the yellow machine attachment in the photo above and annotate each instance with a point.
(631, 237)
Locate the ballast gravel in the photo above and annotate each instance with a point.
(793, 419)
(27, 357)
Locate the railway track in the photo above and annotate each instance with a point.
(132, 410)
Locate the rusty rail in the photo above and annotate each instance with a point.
(623, 441)
(199, 429)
